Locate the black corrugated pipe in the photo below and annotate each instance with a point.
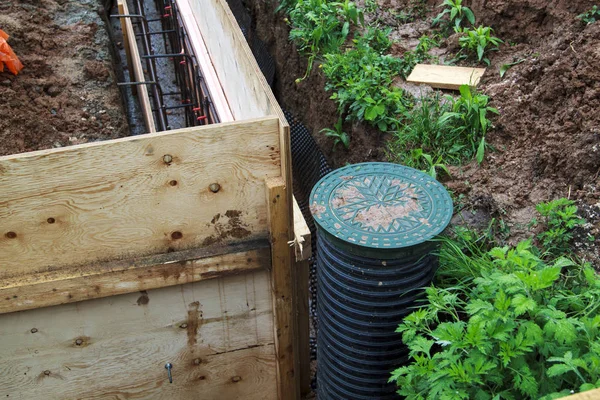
(374, 223)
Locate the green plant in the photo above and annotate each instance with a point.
(479, 41)
(432, 166)
(457, 12)
(320, 26)
(418, 55)
(560, 218)
(415, 9)
(362, 78)
(472, 109)
(502, 324)
(505, 67)
(449, 130)
(590, 16)
(337, 134)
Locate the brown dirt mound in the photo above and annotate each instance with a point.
(547, 138)
(66, 94)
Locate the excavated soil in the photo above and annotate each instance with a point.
(66, 94)
(547, 138)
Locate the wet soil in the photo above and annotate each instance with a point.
(547, 138)
(66, 94)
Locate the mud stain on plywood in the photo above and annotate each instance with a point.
(193, 322)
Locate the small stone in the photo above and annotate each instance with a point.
(6, 82)
(53, 91)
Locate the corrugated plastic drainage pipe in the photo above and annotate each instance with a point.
(374, 225)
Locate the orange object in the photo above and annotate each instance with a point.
(8, 56)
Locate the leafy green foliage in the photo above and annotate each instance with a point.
(418, 55)
(502, 323)
(415, 9)
(590, 16)
(337, 134)
(479, 42)
(560, 218)
(447, 130)
(456, 12)
(362, 80)
(320, 26)
(505, 67)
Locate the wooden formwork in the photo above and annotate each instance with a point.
(177, 247)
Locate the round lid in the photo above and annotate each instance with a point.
(380, 205)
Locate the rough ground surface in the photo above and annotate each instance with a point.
(66, 94)
(547, 137)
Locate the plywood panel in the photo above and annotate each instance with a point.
(137, 196)
(208, 69)
(95, 281)
(247, 92)
(218, 335)
(445, 76)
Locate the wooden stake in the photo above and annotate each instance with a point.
(286, 345)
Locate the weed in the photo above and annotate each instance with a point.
(337, 134)
(472, 109)
(416, 9)
(450, 131)
(505, 67)
(362, 78)
(560, 218)
(418, 55)
(319, 26)
(457, 13)
(502, 324)
(479, 41)
(431, 165)
(590, 16)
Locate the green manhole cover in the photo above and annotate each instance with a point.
(380, 206)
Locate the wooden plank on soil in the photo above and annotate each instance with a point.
(218, 334)
(210, 75)
(445, 76)
(97, 281)
(136, 64)
(282, 256)
(138, 196)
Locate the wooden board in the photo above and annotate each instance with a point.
(136, 65)
(282, 256)
(208, 70)
(95, 281)
(589, 395)
(119, 199)
(218, 335)
(247, 92)
(445, 76)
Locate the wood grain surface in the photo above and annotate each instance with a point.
(218, 334)
(445, 76)
(138, 196)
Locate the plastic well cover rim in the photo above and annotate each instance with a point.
(380, 205)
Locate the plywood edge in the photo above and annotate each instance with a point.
(138, 70)
(445, 76)
(104, 280)
(302, 236)
(214, 128)
(203, 58)
(251, 61)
